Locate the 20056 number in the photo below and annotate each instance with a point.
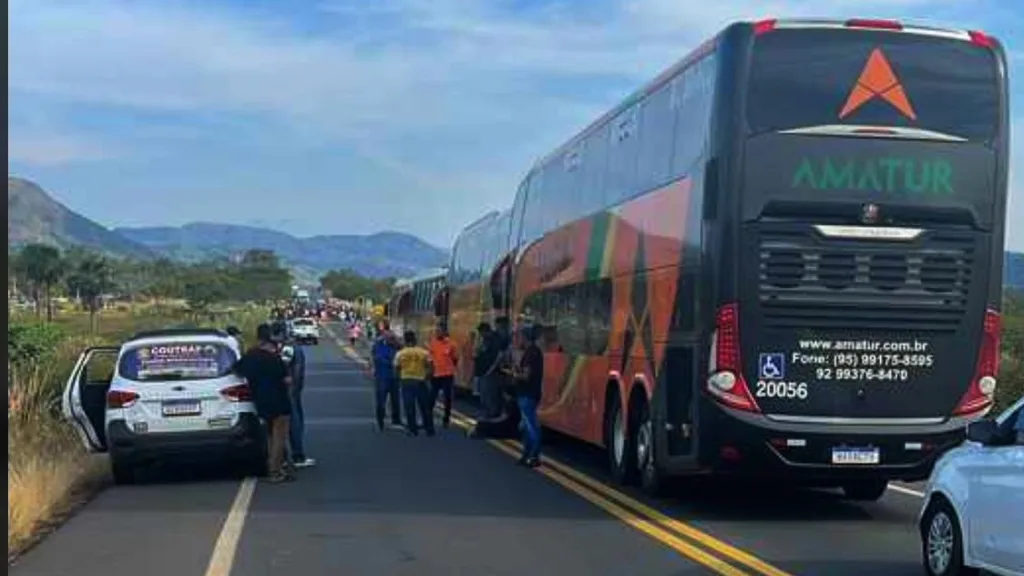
(781, 390)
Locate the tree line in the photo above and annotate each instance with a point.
(348, 284)
(43, 272)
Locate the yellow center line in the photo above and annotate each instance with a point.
(719, 546)
(644, 518)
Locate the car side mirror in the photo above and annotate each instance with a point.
(984, 432)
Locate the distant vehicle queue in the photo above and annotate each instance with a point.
(782, 257)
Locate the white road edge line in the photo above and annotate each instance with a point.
(224, 549)
(344, 347)
(904, 490)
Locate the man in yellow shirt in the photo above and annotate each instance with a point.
(413, 365)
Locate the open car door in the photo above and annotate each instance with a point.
(85, 395)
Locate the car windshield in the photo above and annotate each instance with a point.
(167, 361)
(304, 323)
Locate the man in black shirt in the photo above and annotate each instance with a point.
(269, 379)
(529, 375)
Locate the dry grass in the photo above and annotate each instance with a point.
(48, 471)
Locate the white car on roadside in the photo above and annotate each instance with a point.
(162, 394)
(973, 512)
(305, 331)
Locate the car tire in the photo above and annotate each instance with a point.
(123, 470)
(942, 545)
(865, 490)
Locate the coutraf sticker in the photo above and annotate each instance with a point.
(771, 366)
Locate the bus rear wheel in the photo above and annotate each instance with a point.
(652, 481)
(620, 443)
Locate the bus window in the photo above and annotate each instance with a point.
(807, 78)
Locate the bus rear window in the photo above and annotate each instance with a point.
(809, 78)
(163, 362)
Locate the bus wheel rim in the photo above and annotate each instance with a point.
(618, 438)
(643, 445)
(940, 543)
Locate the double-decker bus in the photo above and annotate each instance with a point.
(782, 257)
(475, 291)
(418, 303)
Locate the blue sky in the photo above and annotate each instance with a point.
(353, 116)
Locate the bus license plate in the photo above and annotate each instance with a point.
(186, 408)
(856, 456)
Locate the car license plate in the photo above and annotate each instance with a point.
(182, 408)
(856, 456)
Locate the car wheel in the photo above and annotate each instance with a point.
(942, 549)
(123, 470)
(866, 490)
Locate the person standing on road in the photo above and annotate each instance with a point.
(269, 380)
(529, 377)
(486, 365)
(385, 347)
(414, 366)
(295, 357)
(353, 333)
(445, 359)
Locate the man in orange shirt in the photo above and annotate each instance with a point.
(445, 359)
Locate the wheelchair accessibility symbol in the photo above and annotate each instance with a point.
(772, 367)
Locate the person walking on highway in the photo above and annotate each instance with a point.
(269, 379)
(353, 333)
(529, 379)
(445, 359)
(414, 366)
(385, 347)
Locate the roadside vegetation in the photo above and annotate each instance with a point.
(60, 303)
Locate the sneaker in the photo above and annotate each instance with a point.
(532, 462)
(278, 478)
(397, 426)
(305, 463)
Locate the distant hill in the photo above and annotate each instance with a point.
(1013, 270)
(376, 255)
(34, 216)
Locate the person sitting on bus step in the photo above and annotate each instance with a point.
(385, 347)
(414, 367)
(445, 358)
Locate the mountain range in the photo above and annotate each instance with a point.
(35, 216)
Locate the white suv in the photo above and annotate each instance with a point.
(305, 330)
(973, 508)
(162, 394)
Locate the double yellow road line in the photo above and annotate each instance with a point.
(719, 556)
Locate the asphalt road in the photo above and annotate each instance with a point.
(388, 504)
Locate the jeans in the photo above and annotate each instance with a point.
(415, 394)
(387, 389)
(443, 384)
(297, 426)
(531, 428)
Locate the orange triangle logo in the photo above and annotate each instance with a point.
(878, 80)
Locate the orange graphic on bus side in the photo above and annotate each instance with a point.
(878, 80)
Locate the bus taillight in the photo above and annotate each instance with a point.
(725, 372)
(983, 386)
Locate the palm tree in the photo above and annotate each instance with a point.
(91, 277)
(43, 266)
